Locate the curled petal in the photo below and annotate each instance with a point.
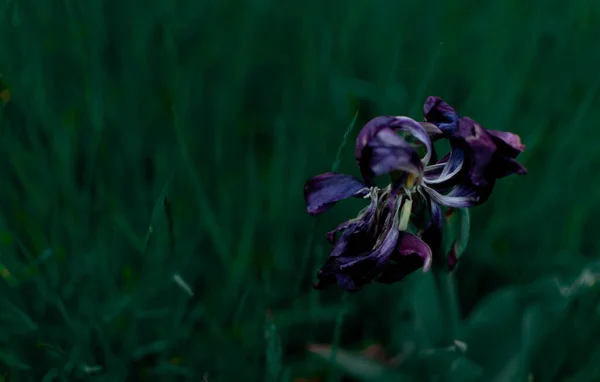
(478, 157)
(460, 196)
(431, 129)
(508, 144)
(411, 254)
(418, 131)
(323, 191)
(441, 114)
(441, 173)
(387, 152)
(371, 129)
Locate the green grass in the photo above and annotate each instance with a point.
(152, 161)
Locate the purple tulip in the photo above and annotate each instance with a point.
(375, 245)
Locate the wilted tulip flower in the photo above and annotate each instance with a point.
(375, 245)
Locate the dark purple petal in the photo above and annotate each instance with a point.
(349, 272)
(386, 152)
(411, 254)
(361, 251)
(357, 239)
(323, 191)
(487, 157)
(477, 159)
(359, 235)
(481, 149)
(441, 114)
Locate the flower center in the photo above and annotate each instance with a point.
(411, 184)
(410, 181)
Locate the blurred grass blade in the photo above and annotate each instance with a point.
(357, 366)
(273, 350)
(10, 359)
(463, 370)
(338, 157)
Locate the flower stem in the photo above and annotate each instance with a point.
(446, 289)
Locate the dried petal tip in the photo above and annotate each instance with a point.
(509, 144)
(323, 191)
(431, 129)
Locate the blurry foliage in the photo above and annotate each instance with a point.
(152, 160)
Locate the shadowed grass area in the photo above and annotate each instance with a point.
(152, 161)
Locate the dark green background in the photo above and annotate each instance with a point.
(224, 108)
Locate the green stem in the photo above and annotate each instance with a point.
(446, 289)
